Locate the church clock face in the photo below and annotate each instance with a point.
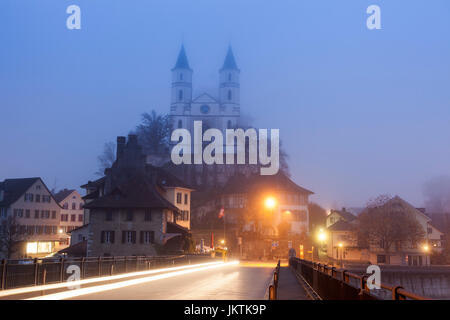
(204, 109)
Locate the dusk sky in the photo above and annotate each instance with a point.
(361, 112)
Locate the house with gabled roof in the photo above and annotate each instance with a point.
(136, 208)
(29, 219)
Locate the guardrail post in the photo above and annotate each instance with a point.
(44, 278)
(396, 295)
(272, 293)
(61, 270)
(36, 272)
(4, 270)
(82, 268)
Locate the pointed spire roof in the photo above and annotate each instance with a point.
(182, 61)
(230, 62)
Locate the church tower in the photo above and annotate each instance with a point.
(181, 90)
(229, 90)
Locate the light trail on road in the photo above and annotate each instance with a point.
(66, 284)
(101, 288)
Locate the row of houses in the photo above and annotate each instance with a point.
(34, 222)
(343, 243)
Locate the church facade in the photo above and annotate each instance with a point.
(220, 112)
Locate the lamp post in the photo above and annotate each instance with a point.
(321, 236)
(341, 246)
(270, 203)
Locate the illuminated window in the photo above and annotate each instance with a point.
(32, 247)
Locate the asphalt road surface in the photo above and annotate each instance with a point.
(236, 282)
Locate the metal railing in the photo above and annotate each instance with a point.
(333, 284)
(273, 286)
(33, 272)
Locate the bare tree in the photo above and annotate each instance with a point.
(107, 158)
(387, 222)
(10, 237)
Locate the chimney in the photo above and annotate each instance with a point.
(120, 146)
(343, 209)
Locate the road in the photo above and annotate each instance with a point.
(243, 282)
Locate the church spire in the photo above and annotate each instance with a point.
(230, 62)
(182, 61)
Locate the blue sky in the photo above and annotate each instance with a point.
(360, 112)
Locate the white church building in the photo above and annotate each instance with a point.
(219, 112)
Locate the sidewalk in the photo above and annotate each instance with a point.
(288, 286)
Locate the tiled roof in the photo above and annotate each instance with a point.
(137, 192)
(14, 189)
(279, 181)
(341, 225)
(61, 195)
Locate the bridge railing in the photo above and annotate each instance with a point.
(338, 284)
(273, 286)
(33, 272)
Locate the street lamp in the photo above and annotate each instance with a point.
(270, 202)
(341, 245)
(321, 236)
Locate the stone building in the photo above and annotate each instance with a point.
(136, 209)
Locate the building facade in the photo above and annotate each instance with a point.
(136, 209)
(30, 219)
(72, 212)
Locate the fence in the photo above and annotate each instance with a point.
(273, 287)
(332, 284)
(32, 272)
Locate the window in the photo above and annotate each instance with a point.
(184, 215)
(147, 237)
(64, 217)
(73, 217)
(53, 214)
(18, 213)
(36, 214)
(3, 212)
(180, 95)
(81, 206)
(38, 187)
(30, 230)
(429, 230)
(54, 229)
(74, 206)
(66, 206)
(186, 198)
(38, 198)
(45, 214)
(229, 95)
(129, 216)
(46, 198)
(80, 237)
(28, 197)
(27, 213)
(128, 236)
(148, 215)
(47, 229)
(180, 124)
(108, 216)
(80, 218)
(106, 237)
(381, 258)
(179, 197)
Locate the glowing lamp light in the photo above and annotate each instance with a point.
(60, 230)
(340, 245)
(426, 248)
(270, 203)
(222, 241)
(322, 236)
